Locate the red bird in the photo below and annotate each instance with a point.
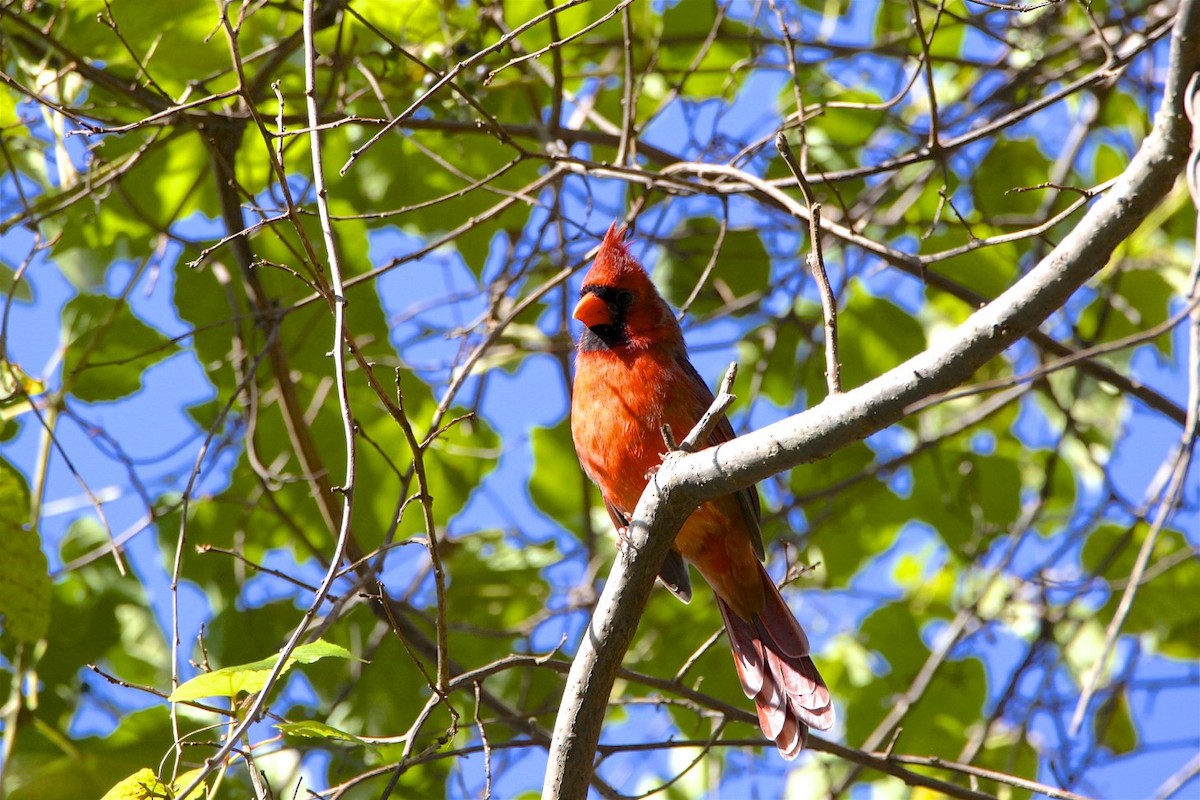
(632, 376)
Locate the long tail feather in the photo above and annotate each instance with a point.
(771, 654)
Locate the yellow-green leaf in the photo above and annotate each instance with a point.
(107, 348)
(249, 678)
(145, 785)
(311, 729)
(24, 580)
(141, 785)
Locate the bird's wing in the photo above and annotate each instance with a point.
(674, 570)
(747, 498)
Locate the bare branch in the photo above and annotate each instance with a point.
(712, 417)
(816, 263)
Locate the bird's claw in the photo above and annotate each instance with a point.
(622, 537)
(650, 473)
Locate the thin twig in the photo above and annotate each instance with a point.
(554, 45)
(988, 774)
(712, 417)
(1124, 343)
(927, 68)
(556, 66)
(816, 263)
(453, 73)
(1180, 779)
(627, 148)
(435, 558)
(339, 304)
(722, 229)
(487, 748)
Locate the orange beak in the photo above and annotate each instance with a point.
(592, 311)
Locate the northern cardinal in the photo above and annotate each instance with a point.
(632, 376)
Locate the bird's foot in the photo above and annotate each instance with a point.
(622, 537)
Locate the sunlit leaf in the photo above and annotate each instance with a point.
(556, 484)
(142, 785)
(17, 391)
(250, 678)
(24, 582)
(107, 348)
(313, 729)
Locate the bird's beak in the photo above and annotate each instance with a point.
(592, 311)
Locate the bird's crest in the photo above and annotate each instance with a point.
(613, 260)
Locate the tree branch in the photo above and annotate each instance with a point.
(685, 481)
(816, 264)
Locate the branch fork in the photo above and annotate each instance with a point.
(704, 428)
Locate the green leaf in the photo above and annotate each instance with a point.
(1109, 163)
(1170, 626)
(141, 785)
(937, 723)
(987, 271)
(556, 483)
(1011, 164)
(1113, 724)
(107, 348)
(312, 729)
(741, 266)
(89, 238)
(1143, 298)
(996, 489)
(315, 651)
(250, 678)
(98, 616)
(185, 780)
(145, 785)
(1122, 111)
(497, 580)
(884, 336)
(7, 277)
(183, 32)
(847, 127)
(90, 766)
(714, 73)
(780, 360)
(24, 580)
(854, 528)
(947, 44)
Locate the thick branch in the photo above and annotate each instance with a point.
(684, 481)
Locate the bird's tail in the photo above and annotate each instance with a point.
(771, 654)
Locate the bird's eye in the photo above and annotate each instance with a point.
(624, 298)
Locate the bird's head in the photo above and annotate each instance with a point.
(618, 303)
